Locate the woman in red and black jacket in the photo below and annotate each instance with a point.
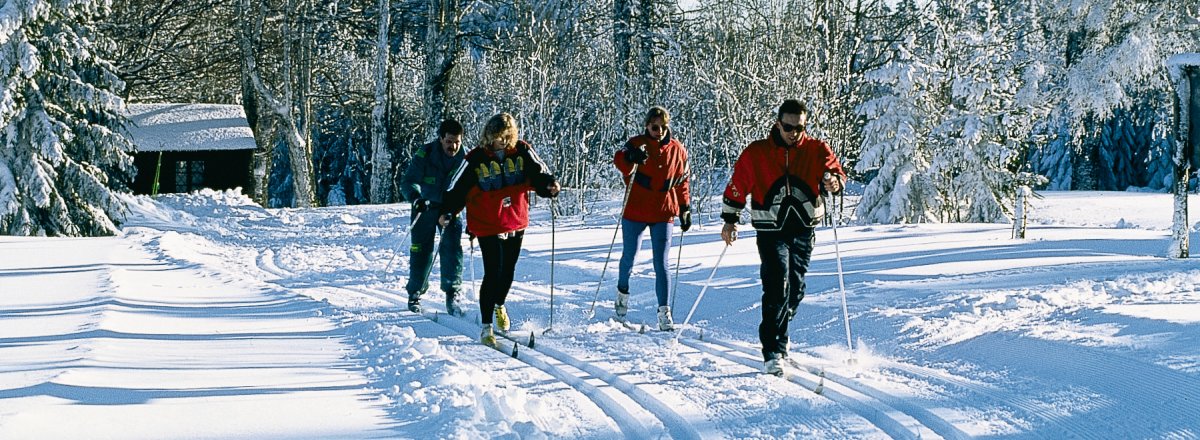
(657, 164)
(493, 184)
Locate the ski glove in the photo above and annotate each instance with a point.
(636, 155)
(685, 218)
(419, 206)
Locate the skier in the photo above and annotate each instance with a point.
(492, 184)
(659, 192)
(424, 182)
(783, 176)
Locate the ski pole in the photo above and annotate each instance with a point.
(552, 258)
(437, 247)
(704, 289)
(628, 190)
(841, 280)
(387, 269)
(474, 287)
(675, 282)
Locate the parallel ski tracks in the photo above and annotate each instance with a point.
(1145, 386)
(612, 394)
(637, 413)
(894, 422)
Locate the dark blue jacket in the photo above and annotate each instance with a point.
(428, 173)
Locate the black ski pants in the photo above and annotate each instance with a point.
(499, 264)
(785, 255)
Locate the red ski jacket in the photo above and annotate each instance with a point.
(783, 182)
(660, 188)
(494, 188)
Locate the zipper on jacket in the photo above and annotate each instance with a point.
(787, 173)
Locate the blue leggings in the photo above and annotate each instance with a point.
(660, 241)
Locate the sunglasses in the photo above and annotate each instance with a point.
(656, 127)
(791, 128)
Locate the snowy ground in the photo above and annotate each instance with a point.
(213, 318)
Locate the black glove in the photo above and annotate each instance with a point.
(685, 218)
(419, 206)
(636, 155)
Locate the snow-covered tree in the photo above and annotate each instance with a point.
(1101, 56)
(895, 142)
(984, 125)
(173, 50)
(60, 156)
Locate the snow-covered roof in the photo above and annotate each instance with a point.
(189, 127)
(1177, 62)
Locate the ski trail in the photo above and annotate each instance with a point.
(267, 261)
(1056, 392)
(994, 396)
(622, 409)
(627, 412)
(932, 421)
(890, 420)
(678, 426)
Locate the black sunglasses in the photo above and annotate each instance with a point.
(791, 128)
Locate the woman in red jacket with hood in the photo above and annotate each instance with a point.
(656, 166)
(493, 185)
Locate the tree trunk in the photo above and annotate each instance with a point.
(1187, 88)
(381, 155)
(278, 108)
(645, 90)
(621, 46)
(442, 51)
(260, 163)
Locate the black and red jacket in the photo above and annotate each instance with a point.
(660, 186)
(494, 188)
(783, 182)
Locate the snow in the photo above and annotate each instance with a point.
(1183, 59)
(189, 127)
(210, 317)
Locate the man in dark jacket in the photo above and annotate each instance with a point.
(424, 182)
(783, 176)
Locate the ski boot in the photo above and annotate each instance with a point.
(621, 307)
(664, 319)
(501, 318)
(487, 337)
(452, 306)
(774, 366)
(414, 302)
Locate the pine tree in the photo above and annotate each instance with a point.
(61, 161)
(895, 145)
(983, 127)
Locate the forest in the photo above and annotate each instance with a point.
(940, 109)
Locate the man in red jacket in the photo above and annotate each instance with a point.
(783, 176)
(658, 192)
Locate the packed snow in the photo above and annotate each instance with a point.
(210, 317)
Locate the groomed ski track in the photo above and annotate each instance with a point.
(890, 414)
(634, 409)
(639, 414)
(636, 413)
